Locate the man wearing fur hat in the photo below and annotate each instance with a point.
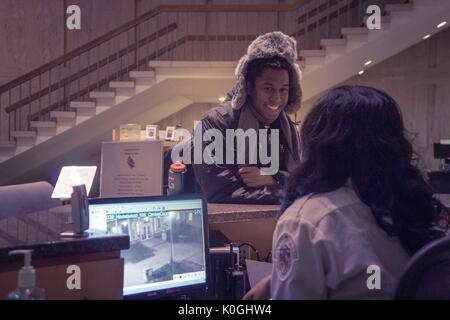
(267, 90)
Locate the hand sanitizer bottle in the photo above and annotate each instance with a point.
(26, 286)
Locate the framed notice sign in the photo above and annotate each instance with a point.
(170, 133)
(151, 132)
(131, 169)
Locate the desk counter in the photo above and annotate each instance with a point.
(97, 256)
(41, 230)
(223, 213)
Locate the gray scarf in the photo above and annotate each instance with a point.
(251, 119)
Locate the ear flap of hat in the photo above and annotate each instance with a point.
(295, 91)
(240, 93)
(242, 65)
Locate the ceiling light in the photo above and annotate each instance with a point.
(440, 25)
(361, 72)
(368, 62)
(427, 36)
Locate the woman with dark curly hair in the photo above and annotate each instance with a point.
(356, 207)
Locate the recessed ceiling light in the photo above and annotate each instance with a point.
(221, 99)
(440, 25)
(427, 36)
(361, 72)
(368, 62)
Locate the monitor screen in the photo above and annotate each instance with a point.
(168, 243)
(441, 151)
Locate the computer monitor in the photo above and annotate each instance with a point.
(441, 151)
(168, 254)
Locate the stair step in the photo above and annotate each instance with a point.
(82, 104)
(23, 134)
(102, 94)
(190, 64)
(121, 84)
(312, 53)
(43, 124)
(352, 31)
(142, 74)
(160, 63)
(384, 19)
(399, 7)
(8, 144)
(333, 42)
(63, 114)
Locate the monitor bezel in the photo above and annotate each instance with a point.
(179, 291)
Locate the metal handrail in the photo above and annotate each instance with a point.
(111, 51)
(91, 68)
(144, 17)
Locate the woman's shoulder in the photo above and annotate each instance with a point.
(315, 207)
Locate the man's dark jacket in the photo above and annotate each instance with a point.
(220, 183)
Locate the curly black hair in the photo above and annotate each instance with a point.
(357, 132)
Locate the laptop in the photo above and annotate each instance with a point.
(168, 255)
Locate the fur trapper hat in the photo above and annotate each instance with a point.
(272, 44)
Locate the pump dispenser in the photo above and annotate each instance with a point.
(26, 284)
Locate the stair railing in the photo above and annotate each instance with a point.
(169, 32)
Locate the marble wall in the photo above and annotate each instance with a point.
(419, 80)
(34, 33)
(98, 17)
(31, 34)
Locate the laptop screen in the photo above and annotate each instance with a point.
(168, 242)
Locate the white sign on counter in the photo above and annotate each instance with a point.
(73, 176)
(131, 169)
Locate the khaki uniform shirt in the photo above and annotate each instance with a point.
(329, 246)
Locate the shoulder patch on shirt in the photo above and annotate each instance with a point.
(285, 255)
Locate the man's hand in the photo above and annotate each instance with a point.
(252, 177)
(261, 291)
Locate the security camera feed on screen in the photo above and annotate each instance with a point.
(166, 242)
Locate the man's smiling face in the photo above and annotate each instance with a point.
(270, 93)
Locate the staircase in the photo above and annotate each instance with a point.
(159, 88)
